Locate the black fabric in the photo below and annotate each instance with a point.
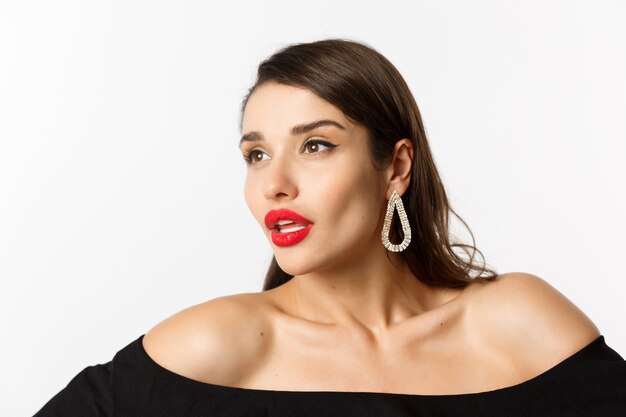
(589, 383)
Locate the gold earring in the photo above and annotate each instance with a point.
(396, 202)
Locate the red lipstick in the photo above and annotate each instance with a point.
(287, 227)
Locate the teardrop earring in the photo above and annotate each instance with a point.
(396, 202)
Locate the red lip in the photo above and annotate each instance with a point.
(274, 216)
(288, 238)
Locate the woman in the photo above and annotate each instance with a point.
(367, 309)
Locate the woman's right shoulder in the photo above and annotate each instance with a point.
(219, 341)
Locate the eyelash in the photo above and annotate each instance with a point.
(247, 157)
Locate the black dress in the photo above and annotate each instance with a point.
(589, 383)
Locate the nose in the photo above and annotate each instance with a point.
(278, 182)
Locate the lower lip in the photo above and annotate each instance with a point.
(291, 238)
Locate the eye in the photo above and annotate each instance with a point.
(253, 156)
(314, 145)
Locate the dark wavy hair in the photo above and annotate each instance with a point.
(370, 91)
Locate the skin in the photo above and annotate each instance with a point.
(351, 319)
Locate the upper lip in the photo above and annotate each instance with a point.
(274, 216)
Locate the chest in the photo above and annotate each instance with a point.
(448, 364)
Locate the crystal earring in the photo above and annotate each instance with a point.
(396, 201)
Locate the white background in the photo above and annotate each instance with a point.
(121, 184)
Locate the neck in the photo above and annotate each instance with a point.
(372, 293)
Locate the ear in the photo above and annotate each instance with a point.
(398, 173)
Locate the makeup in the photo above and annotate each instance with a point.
(287, 227)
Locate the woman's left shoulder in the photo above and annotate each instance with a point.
(529, 317)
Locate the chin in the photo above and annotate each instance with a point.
(294, 268)
(300, 262)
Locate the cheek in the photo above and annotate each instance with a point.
(251, 196)
(349, 196)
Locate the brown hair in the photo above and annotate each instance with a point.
(370, 91)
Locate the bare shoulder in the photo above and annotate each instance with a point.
(218, 341)
(529, 318)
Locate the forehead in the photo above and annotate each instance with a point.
(277, 106)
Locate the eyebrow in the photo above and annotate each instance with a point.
(255, 136)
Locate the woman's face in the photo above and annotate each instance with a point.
(324, 173)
